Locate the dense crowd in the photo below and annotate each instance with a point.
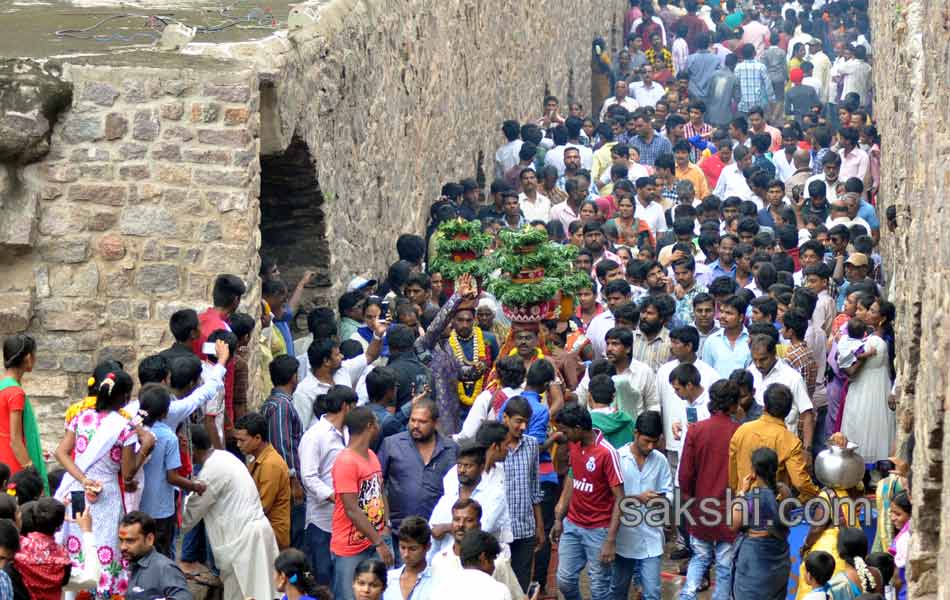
(426, 440)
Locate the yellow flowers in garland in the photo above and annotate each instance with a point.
(479, 362)
(537, 353)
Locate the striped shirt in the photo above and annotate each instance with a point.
(522, 486)
(653, 352)
(283, 428)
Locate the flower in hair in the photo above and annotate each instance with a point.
(11, 489)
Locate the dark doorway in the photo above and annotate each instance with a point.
(293, 224)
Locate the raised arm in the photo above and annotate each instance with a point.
(464, 289)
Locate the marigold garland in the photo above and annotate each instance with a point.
(480, 356)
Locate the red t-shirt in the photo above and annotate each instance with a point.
(712, 167)
(210, 321)
(595, 470)
(353, 474)
(12, 399)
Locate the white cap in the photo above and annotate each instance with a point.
(359, 283)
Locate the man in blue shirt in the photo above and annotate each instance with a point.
(161, 471)
(414, 542)
(725, 265)
(728, 349)
(413, 463)
(646, 477)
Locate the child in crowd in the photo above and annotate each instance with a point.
(851, 346)
(819, 567)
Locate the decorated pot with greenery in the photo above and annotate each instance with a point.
(536, 275)
(460, 248)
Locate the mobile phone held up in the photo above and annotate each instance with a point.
(533, 589)
(77, 501)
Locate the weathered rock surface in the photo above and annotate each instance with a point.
(31, 95)
(912, 83)
(164, 170)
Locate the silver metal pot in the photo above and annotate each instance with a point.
(839, 467)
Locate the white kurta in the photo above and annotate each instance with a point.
(240, 535)
(867, 420)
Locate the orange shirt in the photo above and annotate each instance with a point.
(353, 474)
(695, 175)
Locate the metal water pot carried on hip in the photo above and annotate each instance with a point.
(840, 468)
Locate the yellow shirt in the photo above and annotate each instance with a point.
(770, 432)
(694, 175)
(601, 161)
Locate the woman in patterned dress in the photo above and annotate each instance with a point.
(98, 448)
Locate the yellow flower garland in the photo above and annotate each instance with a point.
(480, 356)
(537, 353)
(85, 404)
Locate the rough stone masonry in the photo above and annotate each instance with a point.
(912, 84)
(136, 177)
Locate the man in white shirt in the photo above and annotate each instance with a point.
(507, 155)
(617, 294)
(478, 552)
(634, 381)
(822, 67)
(648, 209)
(511, 371)
(621, 98)
(767, 369)
(318, 448)
(684, 343)
(479, 474)
(855, 72)
(784, 158)
(534, 206)
(829, 175)
(646, 91)
(731, 180)
(353, 368)
(325, 360)
(194, 386)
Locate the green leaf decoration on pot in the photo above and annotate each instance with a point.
(460, 249)
(533, 269)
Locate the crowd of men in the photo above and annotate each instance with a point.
(723, 199)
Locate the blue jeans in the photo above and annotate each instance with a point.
(298, 525)
(345, 566)
(318, 551)
(704, 554)
(578, 547)
(644, 571)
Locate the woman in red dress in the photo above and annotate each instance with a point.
(19, 435)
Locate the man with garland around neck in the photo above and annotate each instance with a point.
(474, 351)
(462, 359)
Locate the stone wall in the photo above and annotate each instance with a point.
(153, 180)
(912, 83)
(149, 190)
